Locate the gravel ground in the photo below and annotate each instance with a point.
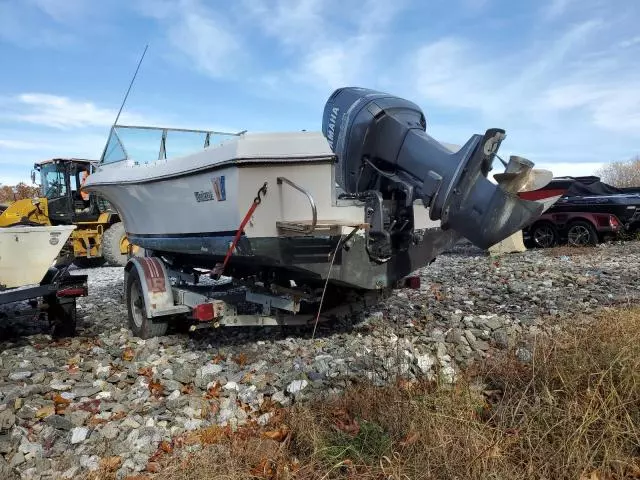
(66, 405)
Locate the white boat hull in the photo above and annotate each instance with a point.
(188, 210)
(26, 253)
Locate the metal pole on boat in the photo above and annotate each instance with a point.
(130, 85)
(124, 100)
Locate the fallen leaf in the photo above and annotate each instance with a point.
(187, 389)
(406, 385)
(213, 434)
(46, 411)
(153, 467)
(146, 372)
(165, 447)
(219, 358)
(95, 421)
(437, 292)
(278, 435)
(351, 427)
(191, 439)
(156, 388)
(128, 354)
(241, 359)
(494, 452)
(213, 392)
(110, 464)
(60, 400)
(118, 416)
(92, 406)
(347, 462)
(410, 439)
(264, 469)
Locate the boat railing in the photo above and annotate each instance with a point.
(314, 213)
(144, 144)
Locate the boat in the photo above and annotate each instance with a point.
(360, 204)
(589, 194)
(27, 253)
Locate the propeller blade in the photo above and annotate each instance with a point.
(520, 176)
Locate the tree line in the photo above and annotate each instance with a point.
(10, 194)
(621, 174)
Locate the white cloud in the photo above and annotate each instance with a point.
(557, 8)
(22, 27)
(27, 146)
(327, 51)
(17, 145)
(61, 112)
(65, 11)
(199, 33)
(13, 179)
(571, 169)
(454, 72)
(20, 149)
(630, 42)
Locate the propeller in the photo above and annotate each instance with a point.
(520, 176)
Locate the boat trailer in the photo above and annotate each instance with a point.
(55, 296)
(157, 294)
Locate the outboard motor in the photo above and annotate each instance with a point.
(386, 159)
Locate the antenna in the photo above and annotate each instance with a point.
(124, 100)
(130, 85)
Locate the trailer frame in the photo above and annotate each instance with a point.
(157, 294)
(56, 295)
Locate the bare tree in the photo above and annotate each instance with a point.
(10, 194)
(621, 174)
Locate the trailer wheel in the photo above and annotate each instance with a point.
(544, 235)
(582, 234)
(141, 326)
(62, 317)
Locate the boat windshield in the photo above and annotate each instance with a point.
(148, 144)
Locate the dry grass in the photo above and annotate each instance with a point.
(572, 413)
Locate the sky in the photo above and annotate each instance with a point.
(562, 77)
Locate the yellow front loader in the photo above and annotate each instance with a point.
(99, 236)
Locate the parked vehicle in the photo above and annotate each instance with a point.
(27, 273)
(587, 212)
(99, 235)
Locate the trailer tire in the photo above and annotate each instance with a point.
(544, 235)
(63, 317)
(140, 325)
(582, 234)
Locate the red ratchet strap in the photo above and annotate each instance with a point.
(219, 269)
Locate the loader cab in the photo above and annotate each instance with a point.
(60, 183)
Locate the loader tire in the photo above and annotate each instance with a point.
(111, 240)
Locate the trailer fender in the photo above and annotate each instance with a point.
(156, 287)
